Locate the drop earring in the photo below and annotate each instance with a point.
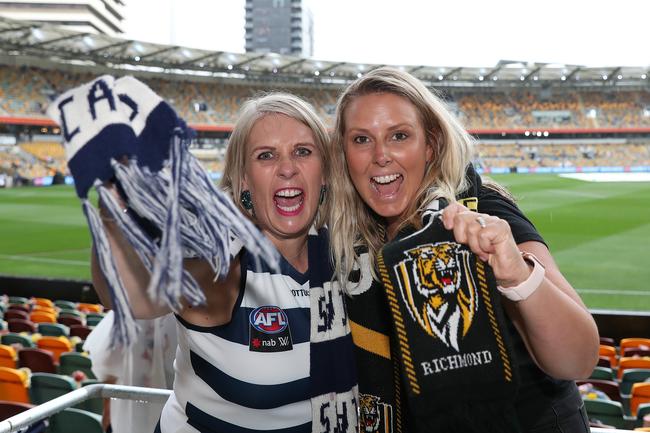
(323, 192)
(246, 199)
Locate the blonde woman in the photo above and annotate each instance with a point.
(269, 351)
(434, 352)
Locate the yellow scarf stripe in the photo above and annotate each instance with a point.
(399, 322)
(370, 340)
(480, 268)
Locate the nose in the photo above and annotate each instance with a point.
(287, 166)
(382, 154)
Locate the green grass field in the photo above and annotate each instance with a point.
(599, 233)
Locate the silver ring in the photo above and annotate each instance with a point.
(481, 221)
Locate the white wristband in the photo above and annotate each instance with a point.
(527, 287)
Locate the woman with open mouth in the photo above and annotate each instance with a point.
(461, 319)
(271, 350)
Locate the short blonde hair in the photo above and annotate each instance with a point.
(253, 110)
(444, 176)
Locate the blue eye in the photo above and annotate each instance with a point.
(303, 151)
(265, 156)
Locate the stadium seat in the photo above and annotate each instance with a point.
(636, 351)
(7, 356)
(609, 387)
(42, 317)
(67, 320)
(18, 300)
(74, 420)
(89, 308)
(631, 362)
(46, 386)
(609, 352)
(71, 313)
(37, 360)
(12, 338)
(50, 310)
(11, 408)
(642, 411)
(640, 394)
(16, 314)
(602, 373)
(643, 343)
(21, 325)
(20, 307)
(92, 319)
(43, 301)
(607, 341)
(73, 361)
(603, 361)
(94, 405)
(80, 331)
(632, 376)
(56, 345)
(65, 305)
(606, 411)
(53, 329)
(13, 385)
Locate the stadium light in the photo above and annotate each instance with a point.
(495, 78)
(643, 76)
(440, 77)
(539, 133)
(229, 67)
(136, 58)
(317, 73)
(522, 78)
(545, 133)
(563, 78)
(359, 74)
(604, 77)
(535, 78)
(527, 133)
(481, 77)
(620, 77)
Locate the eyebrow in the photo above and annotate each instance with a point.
(392, 128)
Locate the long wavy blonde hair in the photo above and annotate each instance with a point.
(252, 111)
(352, 222)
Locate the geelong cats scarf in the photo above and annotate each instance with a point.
(120, 130)
(455, 354)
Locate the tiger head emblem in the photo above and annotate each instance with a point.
(439, 289)
(370, 413)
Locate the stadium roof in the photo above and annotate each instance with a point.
(55, 43)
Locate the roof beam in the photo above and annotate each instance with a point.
(329, 68)
(451, 73)
(252, 59)
(204, 57)
(16, 29)
(107, 47)
(290, 64)
(62, 38)
(163, 50)
(572, 73)
(532, 73)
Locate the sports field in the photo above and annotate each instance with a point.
(599, 234)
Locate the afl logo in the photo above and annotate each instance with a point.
(269, 319)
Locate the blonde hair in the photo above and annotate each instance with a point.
(444, 176)
(252, 111)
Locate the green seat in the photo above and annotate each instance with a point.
(46, 386)
(18, 300)
(632, 376)
(53, 329)
(606, 411)
(12, 338)
(79, 347)
(95, 405)
(70, 362)
(73, 420)
(602, 373)
(92, 319)
(65, 305)
(642, 411)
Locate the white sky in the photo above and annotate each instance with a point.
(423, 32)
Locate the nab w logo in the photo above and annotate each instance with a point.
(269, 319)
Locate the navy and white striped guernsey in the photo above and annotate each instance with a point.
(254, 373)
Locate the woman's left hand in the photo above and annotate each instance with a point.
(490, 238)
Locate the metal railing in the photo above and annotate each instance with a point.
(152, 395)
(47, 409)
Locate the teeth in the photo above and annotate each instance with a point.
(290, 208)
(289, 193)
(385, 179)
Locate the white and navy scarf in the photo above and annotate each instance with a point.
(120, 130)
(333, 380)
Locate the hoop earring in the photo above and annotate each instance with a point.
(246, 199)
(323, 192)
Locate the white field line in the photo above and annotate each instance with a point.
(614, 292)
(44, 260)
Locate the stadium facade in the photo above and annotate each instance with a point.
(88, 16)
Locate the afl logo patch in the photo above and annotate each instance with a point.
(269, 319)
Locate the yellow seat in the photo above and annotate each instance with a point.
(14, 385)
(7, 356)
(56, 345)
(640, 395)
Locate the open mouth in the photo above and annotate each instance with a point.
(289, 201)
(387, 185)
